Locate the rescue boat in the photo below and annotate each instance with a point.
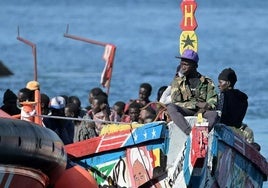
(30, 155)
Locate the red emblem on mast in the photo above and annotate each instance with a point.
(188, 22)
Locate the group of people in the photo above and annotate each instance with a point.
(190, 93)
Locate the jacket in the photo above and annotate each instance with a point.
(184, 96)
(234, 107)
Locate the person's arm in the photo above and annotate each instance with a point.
(208, 97)
(166, 96)
(212, 96)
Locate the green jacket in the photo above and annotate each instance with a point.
(182, 95)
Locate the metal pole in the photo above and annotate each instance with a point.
(33, 51)
(110, 61)
(67, 35)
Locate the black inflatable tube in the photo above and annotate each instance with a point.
(27, 144)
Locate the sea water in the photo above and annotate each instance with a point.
(146, 34)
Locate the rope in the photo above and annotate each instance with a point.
(147, 172)
(82, 119)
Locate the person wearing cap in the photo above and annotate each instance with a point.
(232, 105)
(191, 93)
(34, 86)
(63, 127)
(25, 96)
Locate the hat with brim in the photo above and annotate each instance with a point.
(189, 55)
(33, 85)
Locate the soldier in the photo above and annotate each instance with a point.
(191, 93)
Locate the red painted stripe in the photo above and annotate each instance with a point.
(239, 144)
(112, 142)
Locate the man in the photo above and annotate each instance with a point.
(191, 93)
(147, 114)
(143, 99)
(233, 105)
(63, 127)
(99, 111)
(10, 103)
(144, 93)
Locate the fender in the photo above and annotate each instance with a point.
(30, 145)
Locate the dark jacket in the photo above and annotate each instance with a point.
(235, 104)
(63, 128)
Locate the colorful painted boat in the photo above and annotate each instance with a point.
(233, 162)
(155, 154)
(158, 154)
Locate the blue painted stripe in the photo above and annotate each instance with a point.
(186, 163)
(97, 160)
(148, 132)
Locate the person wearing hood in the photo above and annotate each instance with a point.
(10, 103)
(233, 104)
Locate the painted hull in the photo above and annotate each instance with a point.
(154, 154)
(159, 154)
(232, 162)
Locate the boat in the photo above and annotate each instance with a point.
(159, 154)
(156, 154)
(30, 154)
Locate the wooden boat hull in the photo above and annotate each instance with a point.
(233, 162)
(162, 155)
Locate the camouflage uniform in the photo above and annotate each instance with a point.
(183, 96)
